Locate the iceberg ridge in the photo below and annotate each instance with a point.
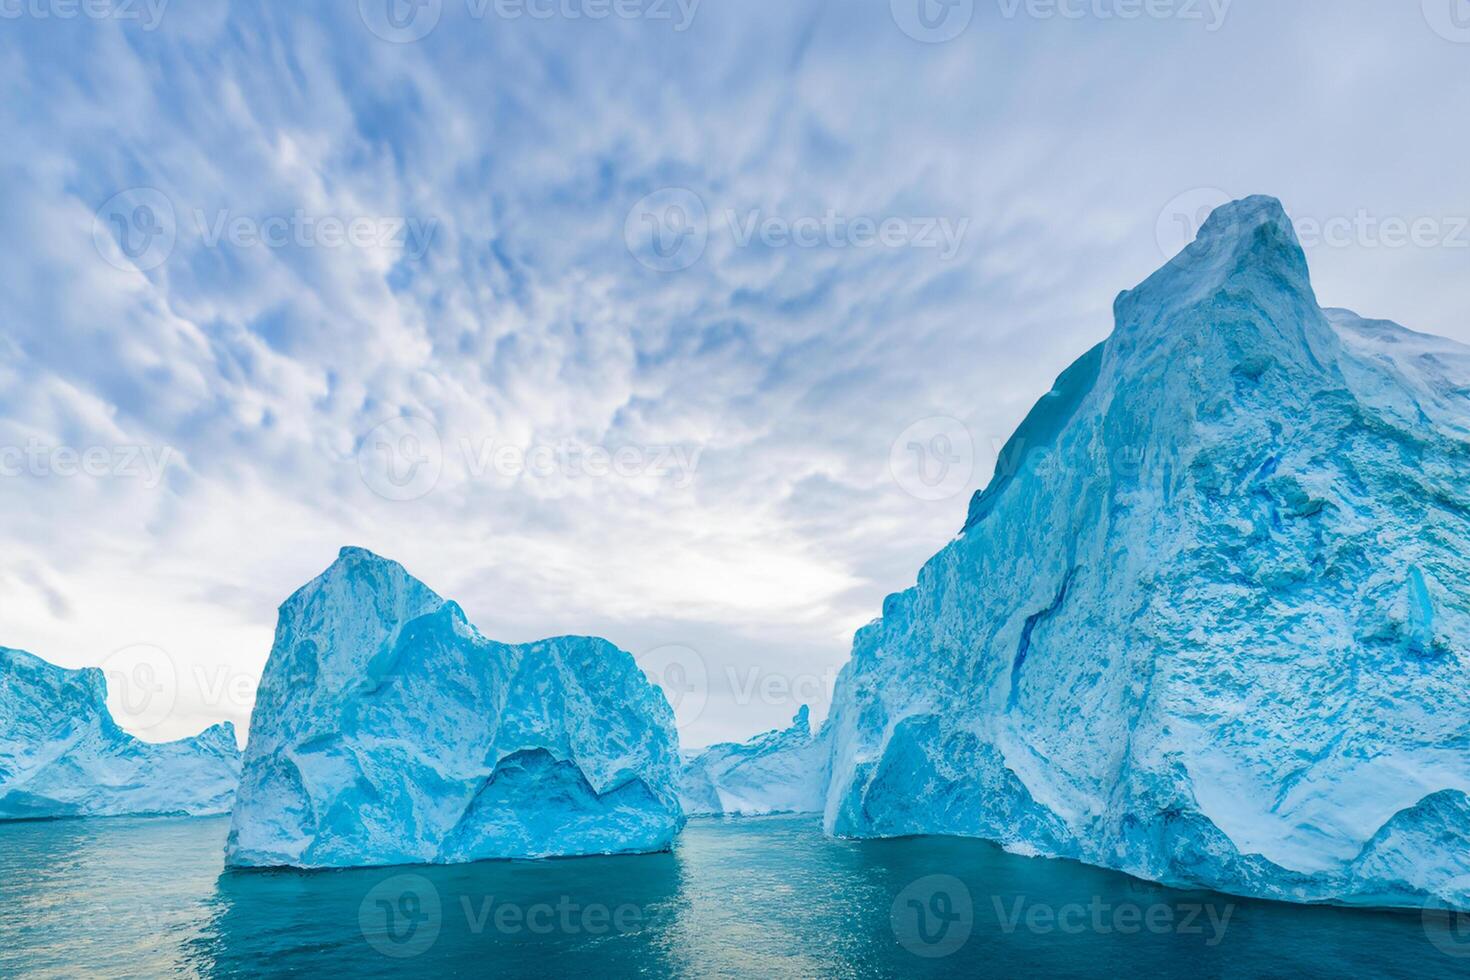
(781, 771)
(63, 755)
(1209, 623)
(387, 730)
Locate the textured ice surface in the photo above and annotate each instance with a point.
(387, 730)
(62, 755)
(1210, 622)
(783, 771)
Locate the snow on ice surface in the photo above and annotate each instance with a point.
(1210, 622)
(782, 771)
(63, 755)
(387, 730)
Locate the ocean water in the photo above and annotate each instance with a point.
(759, 898)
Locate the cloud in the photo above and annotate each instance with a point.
(361, 232)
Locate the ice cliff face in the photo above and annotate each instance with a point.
(387, 730)
(62, 755)
(778, 772)
(1210, 622)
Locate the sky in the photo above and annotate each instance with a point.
(688, 324)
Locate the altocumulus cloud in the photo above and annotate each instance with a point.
(609, 324)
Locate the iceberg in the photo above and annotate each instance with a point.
(781, 771)
(387, 730)
(1209, 623)
(63, 755)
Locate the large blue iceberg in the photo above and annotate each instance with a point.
(387, 730)
(63, 755)
(1209, 624)
(782, 771)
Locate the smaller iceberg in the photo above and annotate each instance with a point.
(780, 771)
(388, 730)
(63, 755)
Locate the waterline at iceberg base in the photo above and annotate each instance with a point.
(758, 897)
(1208, 624)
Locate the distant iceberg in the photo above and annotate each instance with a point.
(63, 755)
(1209, 624)
(782, 771)
(387, 730)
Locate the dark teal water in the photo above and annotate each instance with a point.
(757, 898)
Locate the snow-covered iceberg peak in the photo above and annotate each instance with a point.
(1209, 623)
(782, 771)
(387, 730)
(63, 755)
